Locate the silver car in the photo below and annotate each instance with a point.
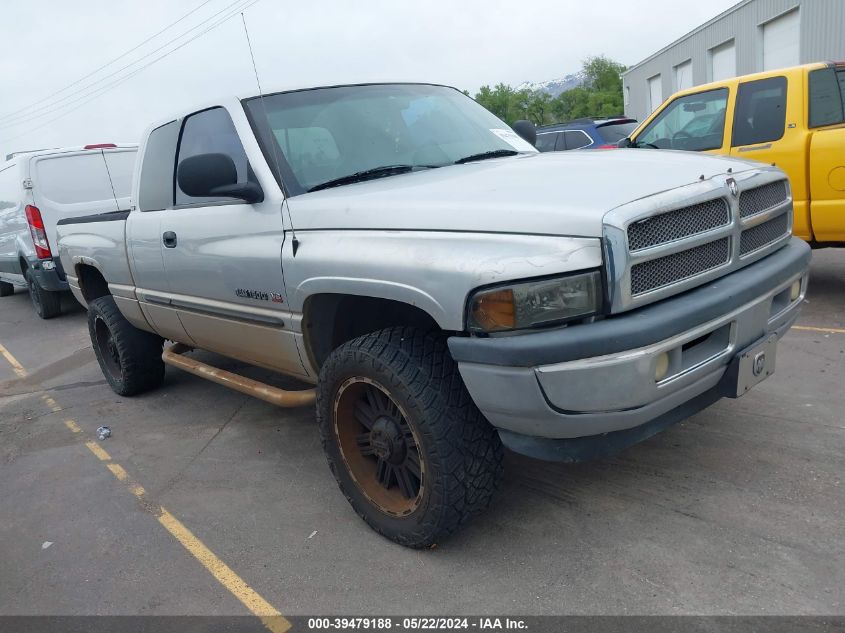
(447, 289)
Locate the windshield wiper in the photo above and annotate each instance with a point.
(638, 144)
(370, 174)
(496, 153)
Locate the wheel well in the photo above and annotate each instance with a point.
(330, 320)
(24, 264)
(91, 282)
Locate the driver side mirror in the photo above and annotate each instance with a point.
(526, 130)
(625, 142)
(213, 175)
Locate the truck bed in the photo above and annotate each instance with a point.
(96, 240)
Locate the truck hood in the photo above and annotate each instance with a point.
(555, 193)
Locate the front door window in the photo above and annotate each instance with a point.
(693, 122)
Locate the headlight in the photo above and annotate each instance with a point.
(534, 303)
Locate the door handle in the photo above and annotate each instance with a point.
(169, 239)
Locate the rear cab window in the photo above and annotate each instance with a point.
(694, 122)
(155, 190)
(826, 96)
(760, 113)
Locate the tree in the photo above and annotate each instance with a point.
(600, 95)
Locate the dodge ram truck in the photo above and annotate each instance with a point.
(446, 289)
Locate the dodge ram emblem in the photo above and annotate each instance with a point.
(733, 187)
(759, 363)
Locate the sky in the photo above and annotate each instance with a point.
(49, 45)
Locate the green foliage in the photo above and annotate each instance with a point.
(600, 95)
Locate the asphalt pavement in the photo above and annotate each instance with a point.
(739, 510)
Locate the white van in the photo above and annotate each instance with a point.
(37, 189)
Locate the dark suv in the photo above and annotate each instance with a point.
(588, 133)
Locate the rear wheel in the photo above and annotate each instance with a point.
(47, 304)
(129, 358)
(408, 447)
(6, 289)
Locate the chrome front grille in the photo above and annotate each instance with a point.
(763, 234)
(674, 225)
(670, 269)
(667, 243)
(759, 199)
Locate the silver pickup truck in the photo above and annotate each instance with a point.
(447, 289)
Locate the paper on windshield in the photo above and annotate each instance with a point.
(513, 139)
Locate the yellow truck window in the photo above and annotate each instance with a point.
(760, 113)
(827, 97)
(693, 122)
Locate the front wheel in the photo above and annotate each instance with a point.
(408, 447)
(6, 289)
(129, 358)
(47, 304)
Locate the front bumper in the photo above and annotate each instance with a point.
(599, 378)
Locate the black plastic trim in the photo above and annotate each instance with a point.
(583, 449)
(638, 328)
(111, 216)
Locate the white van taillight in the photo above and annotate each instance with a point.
(39, 235)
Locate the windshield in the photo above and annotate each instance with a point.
(322, 136)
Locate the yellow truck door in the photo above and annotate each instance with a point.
(768, 126)
(826, 96)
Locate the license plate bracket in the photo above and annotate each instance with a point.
(750, 367)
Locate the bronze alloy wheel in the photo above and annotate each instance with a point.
(380, 449)
(107, 348)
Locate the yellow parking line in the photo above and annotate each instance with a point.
(20, 372)
(251, 599)
(272, 619)
(51, 403)
(117, 471)
(826, 330)
(98, 450)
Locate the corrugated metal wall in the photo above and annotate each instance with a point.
(822, 39)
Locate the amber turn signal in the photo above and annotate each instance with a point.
(494, 311)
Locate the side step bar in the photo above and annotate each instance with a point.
(281, 398)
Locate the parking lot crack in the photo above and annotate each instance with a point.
(178, 476)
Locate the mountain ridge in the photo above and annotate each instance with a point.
(554, 87)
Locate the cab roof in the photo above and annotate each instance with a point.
(234, 99)
(766, 74)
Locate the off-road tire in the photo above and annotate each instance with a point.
(460, 450)
(132, 363)
(47, 304)
(6, 289)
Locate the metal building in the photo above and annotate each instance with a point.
(753, 36)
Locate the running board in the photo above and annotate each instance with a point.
(280, 397)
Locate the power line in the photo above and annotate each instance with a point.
(37, 113)
(107, 64)
(121, 80)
